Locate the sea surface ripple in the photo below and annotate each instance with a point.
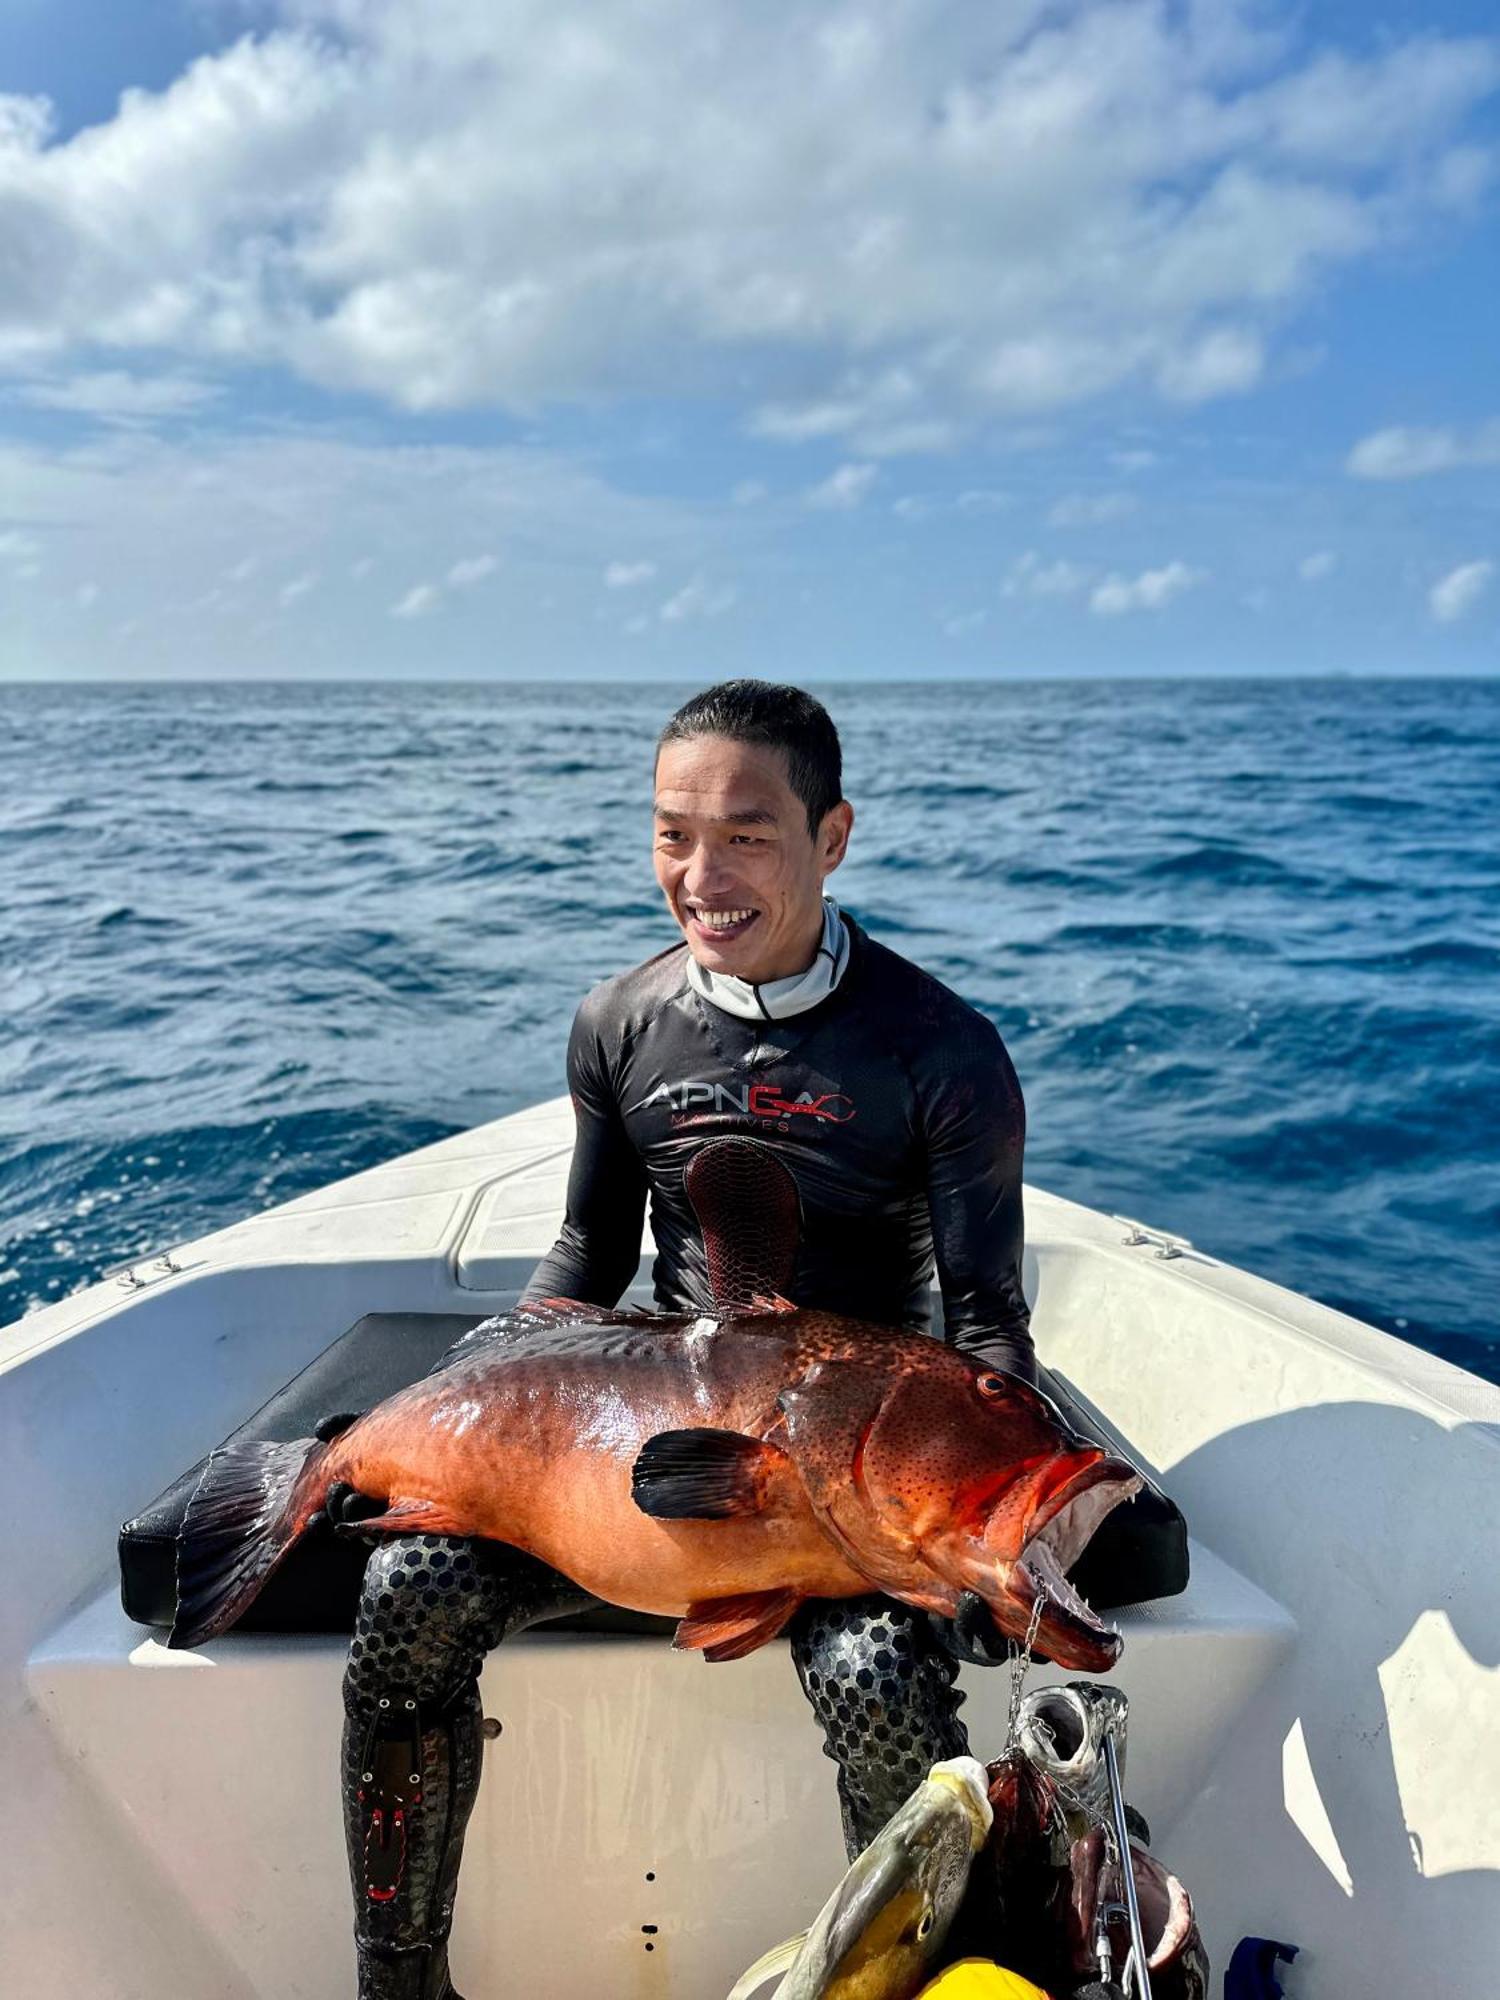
(1243, 941)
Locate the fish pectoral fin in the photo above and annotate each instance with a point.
(778, 1959)
(410, 1517)
(727, 1628)
(705, 1475)
(771, 1302)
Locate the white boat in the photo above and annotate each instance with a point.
(1315, 1724)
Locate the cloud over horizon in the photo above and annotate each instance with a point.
(681, 335)
(890, 227)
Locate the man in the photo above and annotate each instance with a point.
(896, 1109)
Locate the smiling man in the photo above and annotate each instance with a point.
(891, 1100)
(897, 1112)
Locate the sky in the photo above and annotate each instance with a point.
(670, 339)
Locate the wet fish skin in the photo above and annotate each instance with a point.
(719, 1470)
(882, 1932)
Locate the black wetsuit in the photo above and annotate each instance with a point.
(892, 1101)
(897, 1110)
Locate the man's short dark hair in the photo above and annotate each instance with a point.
(781, 718)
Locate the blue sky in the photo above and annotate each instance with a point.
(671, 338)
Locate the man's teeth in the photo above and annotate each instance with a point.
(718, 920)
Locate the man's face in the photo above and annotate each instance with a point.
(740, 870)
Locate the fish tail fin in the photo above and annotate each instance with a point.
(780, 1958)
(253, 1503)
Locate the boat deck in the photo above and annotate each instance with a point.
(1315, 1729)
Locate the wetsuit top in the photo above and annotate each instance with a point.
(892, 1101)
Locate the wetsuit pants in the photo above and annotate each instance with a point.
(433, 1606)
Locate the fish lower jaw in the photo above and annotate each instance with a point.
(1069, 1630)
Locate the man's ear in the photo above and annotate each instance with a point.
(833, 835)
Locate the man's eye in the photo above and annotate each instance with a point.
(667, 833)
(746, 840)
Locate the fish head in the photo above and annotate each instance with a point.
(976, 1478)
(887, 1921)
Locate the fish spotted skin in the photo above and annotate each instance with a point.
(717, 1470)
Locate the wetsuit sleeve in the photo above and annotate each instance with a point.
(974, 1121)
(598, 1252)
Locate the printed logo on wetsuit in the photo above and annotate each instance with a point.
(695, 1098)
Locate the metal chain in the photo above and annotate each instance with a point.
(1019, 1667)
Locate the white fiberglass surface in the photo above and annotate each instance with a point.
(1315, 1790)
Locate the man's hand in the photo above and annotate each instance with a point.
(346, 1508)
(971, 1635)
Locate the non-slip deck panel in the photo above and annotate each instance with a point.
(1140, 1553)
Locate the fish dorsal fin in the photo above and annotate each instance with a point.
(745, 1198)
(780, 1958)
(727, 1628)
(705, 1475)
(533, 1316)
(771, 1302)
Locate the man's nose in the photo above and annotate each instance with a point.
(707, 872)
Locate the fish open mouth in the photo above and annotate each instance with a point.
(1069, 1631)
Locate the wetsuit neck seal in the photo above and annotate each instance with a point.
(779, 999)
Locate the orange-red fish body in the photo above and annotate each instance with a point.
(831, 1456)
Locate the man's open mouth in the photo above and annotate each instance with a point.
(1070, 1632)
(721, 925)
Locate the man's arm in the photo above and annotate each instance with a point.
(975, 1125)
(597, 1253)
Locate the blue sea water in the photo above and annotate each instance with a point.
(1243, 941)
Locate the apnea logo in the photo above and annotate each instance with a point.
(749, 1100)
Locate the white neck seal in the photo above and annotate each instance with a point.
(779, 999)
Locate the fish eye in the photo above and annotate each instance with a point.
(924, 1928)
(991, 1385)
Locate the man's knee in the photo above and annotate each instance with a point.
(883, 1691)
(427, 1615)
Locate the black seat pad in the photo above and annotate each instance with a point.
(1140, 1552)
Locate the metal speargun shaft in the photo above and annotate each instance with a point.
(1141, 1981)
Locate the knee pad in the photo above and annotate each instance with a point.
(884, 1693)
(428, 1613)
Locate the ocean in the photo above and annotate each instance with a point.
(1241, 938)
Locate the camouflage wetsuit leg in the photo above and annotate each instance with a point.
(883, 1690)
(431, 1608)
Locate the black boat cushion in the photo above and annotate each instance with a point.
(1140, 1552)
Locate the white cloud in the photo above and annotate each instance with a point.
(473, 569)
(1149, 591)
(1137, 460)
(1313, 568)
(888, 229)
(847, 488)
(1456, 594)
(1225, 362)
(1091, 510)
(1029, 576)
(298, 587)
(117, 397)
(963, 624)
(983, 500)
(747, 491)
(1410, 452)
(626, 575)
(698, 599)
(419, 600)
(86, 595)
(157, 519)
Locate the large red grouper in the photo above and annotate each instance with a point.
(719, 1470)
